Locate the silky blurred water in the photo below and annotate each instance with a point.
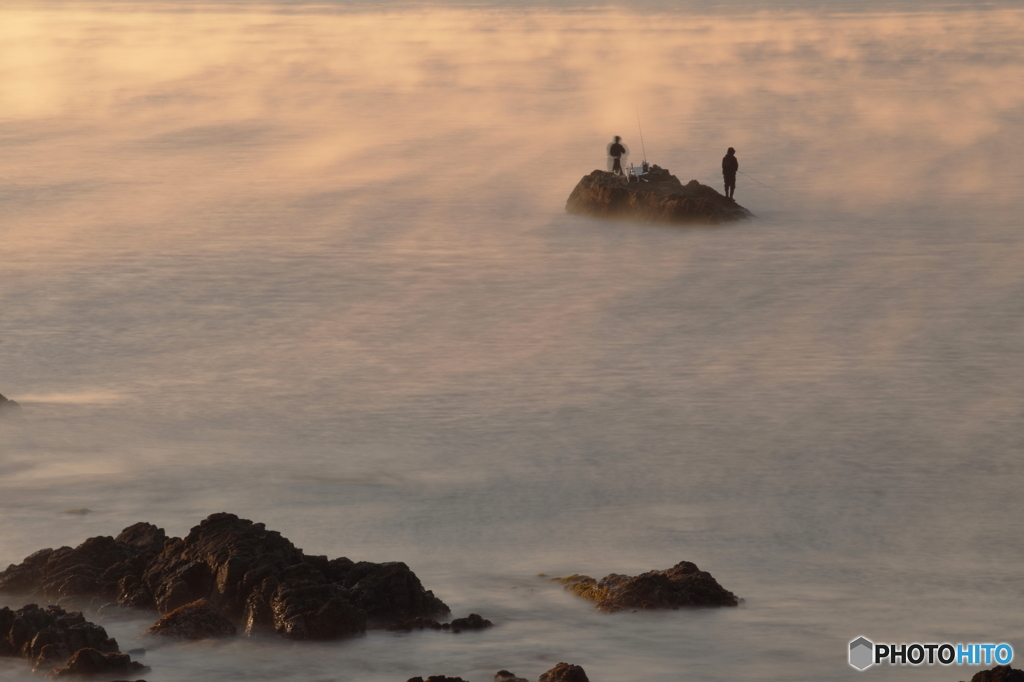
(311, 265)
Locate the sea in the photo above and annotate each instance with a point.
(309, 263)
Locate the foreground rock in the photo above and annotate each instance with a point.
(252, 575)
(660, 198)
(682, 585)
(25, 633)
(563, 672)
(1000, 673)
(49, 637)
(198, 620)
(90, 662)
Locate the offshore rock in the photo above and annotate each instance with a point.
(198, 620)
(1000, 673)
(49, 635)
(252, 575)
(565, 672)
(100, 566)
(682, 585)
(473, 621)
(506, 676)
(8, 405)
(659, 198)
(91, 662)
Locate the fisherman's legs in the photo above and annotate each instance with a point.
(617, 165)
(730, 185)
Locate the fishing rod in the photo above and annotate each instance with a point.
(641, 135)
(759, 182)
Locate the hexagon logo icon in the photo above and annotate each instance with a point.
(861, 653)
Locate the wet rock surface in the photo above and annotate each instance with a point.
(91, 662)
(198, 620)
(1000, 673)
(659, 198)
(253, 576)
(55, 640)
(565, 672)
(50, 634)
(680, 586)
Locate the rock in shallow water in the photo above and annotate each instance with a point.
(51, 634)
(682, 585)
(473, 621)
(252, 575)
(661, 199)
(563, 672)
(90, 662)
(198, 620)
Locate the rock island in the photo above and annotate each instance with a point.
(656, 196)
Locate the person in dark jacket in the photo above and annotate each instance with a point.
(730, 165)
(616, 151)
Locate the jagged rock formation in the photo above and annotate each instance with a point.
(24, 633)
(198, 620)
(659, 198)
(252, 575)
(47, 637)
(682, 585)
(565, 672)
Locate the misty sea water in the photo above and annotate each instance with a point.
(310, 264)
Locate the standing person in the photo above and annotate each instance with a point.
(729, 167)
(616, 151)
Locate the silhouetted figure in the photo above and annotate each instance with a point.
(730, 165)
(616, 151)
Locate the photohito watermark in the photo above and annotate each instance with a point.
(864, 653)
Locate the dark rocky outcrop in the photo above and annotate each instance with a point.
(49, 634)
(473, 621)
(658, 197)
(565, 672)
(682, 585)
(49, 637)
(90, 662)
(1000, 673)
(252, 575)
(198, 620)
(101, 566)
(506, 676)
(8, 405)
